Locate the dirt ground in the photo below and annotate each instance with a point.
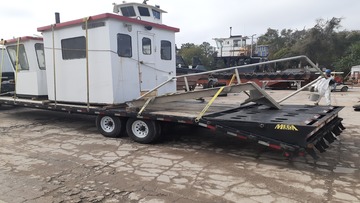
(57, 157)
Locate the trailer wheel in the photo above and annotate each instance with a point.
(143, 131)
(344, 89)
(312, 89)
(110, 126)
(211, 84)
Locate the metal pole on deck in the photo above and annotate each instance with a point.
(237, 76)
(309, 84)
(186, 84)
(297, 91)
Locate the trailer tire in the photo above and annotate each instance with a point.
(312, 89)
(211, 84)
(110, 126)
(143, 131)
(344, 89)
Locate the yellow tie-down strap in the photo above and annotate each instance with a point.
(209, 104)
(232, 79)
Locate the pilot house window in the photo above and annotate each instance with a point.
(156, 14)
(128, 11)
(146, 46)
(165, 50)
(22, 63)
(143, 11)
(39, 49)
(124, 48)
(73, 48)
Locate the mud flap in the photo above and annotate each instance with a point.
(330, 136)
(312, 153)
(323, 144)
(319, 147)
(336, 130)
(341, 126)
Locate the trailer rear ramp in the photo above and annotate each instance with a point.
(293, 128)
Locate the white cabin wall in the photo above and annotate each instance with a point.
(100, 66)
(69, 74)
(355, 73)
(125, 72)
(355, 68)
(126, 77)
(228, 48)
(168, 66)
(71, 81)
(31, 82)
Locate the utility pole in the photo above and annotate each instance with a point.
(252, 41)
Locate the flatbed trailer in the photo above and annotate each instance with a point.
(294, 129)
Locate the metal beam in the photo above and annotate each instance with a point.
(257, 95)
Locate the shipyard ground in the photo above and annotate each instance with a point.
(56, 157)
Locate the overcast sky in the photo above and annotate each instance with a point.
(198, 20)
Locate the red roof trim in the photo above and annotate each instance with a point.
(22, 39)
(108, 15)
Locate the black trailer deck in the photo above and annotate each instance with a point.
(293, 128)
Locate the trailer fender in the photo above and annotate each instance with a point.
(142, 130)
(110, 126)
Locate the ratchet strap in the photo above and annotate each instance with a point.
(86, 20)
(16, 66)
(232, 79)
(145, 105)
(209, 104)
(53, 59)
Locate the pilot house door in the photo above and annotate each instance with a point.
(146, 61)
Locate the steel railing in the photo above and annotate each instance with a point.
(236, 72)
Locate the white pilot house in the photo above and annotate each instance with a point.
(110, 58)
(28, 61)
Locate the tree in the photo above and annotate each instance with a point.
(323, 43)
(280, 44)
(351, 58)
(204, 52)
